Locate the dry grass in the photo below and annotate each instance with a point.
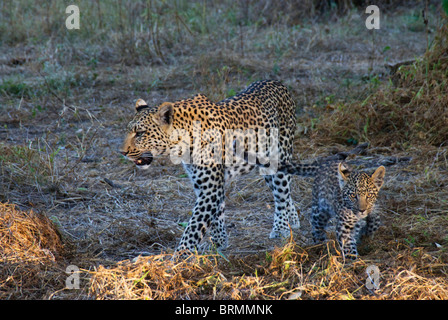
(414, 108)
(28, 236)
(288, 272)
(31, 248)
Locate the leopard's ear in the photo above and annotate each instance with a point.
(344, 169)
(164, 114)
(343, 173)
(140, 104)
(378, 177)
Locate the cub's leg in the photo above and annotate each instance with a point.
(347, 231)
(373, 222)
(320, 214)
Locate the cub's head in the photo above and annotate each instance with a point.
(360, 190)
(148, 133)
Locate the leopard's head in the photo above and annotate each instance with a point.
(360, 190)
(148, 133)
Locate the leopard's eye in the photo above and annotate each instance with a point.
(139, 133)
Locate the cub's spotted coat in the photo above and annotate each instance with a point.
(349, 196)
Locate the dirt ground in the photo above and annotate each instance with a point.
(66, 101)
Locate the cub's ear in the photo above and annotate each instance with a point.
(140, 104)
(344, 170)
(343, 173)
(378, 177)
(164, 115)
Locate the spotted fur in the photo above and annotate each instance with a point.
(348, 195)
(264, 105)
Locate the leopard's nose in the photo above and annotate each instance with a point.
(363, 212)
(362, 203)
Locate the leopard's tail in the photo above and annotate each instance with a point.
(299, 169)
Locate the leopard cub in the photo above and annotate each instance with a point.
(349, 196)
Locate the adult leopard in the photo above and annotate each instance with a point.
(196, 132)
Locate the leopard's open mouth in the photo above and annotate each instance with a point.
(144, 160)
